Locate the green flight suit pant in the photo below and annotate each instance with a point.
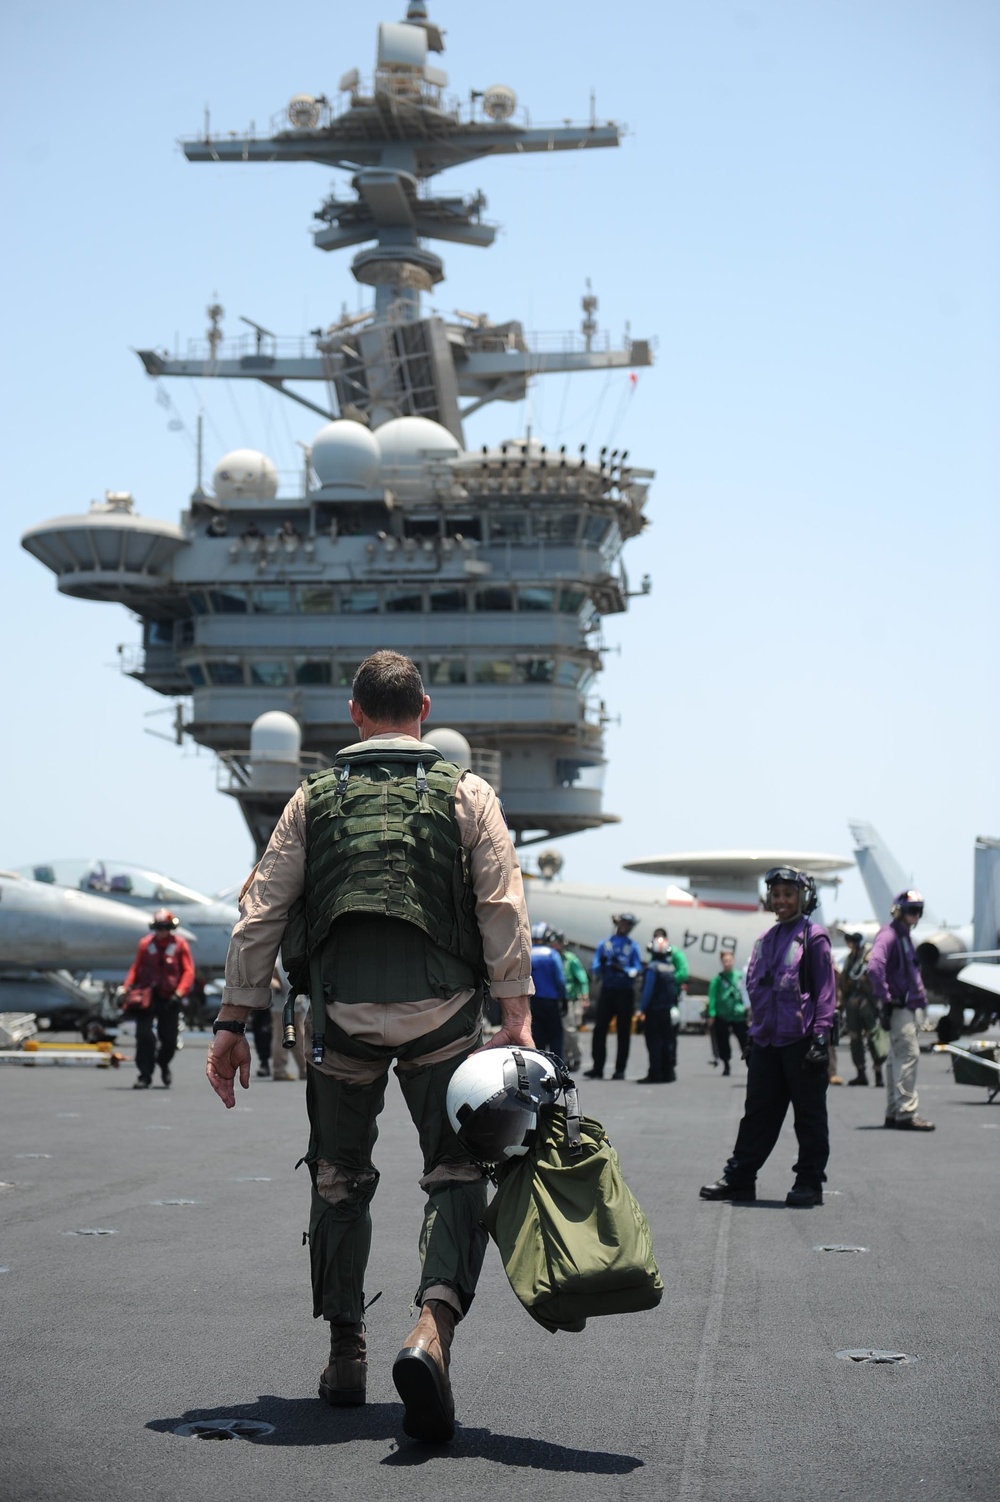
(343, 1122)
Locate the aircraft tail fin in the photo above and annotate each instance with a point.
(881, 873)
(986, 895)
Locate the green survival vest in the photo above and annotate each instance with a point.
(389, 909)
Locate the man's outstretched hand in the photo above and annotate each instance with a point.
(228, 1056)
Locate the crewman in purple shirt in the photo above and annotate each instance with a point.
(898, 989)
(792, 988)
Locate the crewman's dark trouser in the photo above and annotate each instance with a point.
(661, 1044)
(165, 1015)
(617, 1002)
(546, 1024)
(861, 1021)
(343, 1122)
(721, 1027)
(775, 1080)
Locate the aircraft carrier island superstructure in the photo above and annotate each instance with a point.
(491, 567)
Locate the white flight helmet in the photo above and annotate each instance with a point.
(494, 1098)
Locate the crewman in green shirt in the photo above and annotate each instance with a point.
(726, 1009)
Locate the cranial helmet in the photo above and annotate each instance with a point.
(540, 933)
(494, 1098)
(164, 918)
(808, 899)
(659, 946)
(910, 901)
(628, 918)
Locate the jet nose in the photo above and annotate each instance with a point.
(97, 932)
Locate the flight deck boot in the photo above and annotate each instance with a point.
(343, 1382)
(420, 1373)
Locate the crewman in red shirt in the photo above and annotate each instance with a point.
(164, 969)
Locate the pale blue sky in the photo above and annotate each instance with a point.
(805, 215)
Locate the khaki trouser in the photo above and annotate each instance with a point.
(901, 1064)
(280, 1055)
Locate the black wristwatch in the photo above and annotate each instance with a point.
(219, 1026)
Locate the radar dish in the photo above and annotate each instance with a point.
(303, 111)
(499, 101)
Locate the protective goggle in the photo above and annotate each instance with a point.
(784, 873)
(917, 908)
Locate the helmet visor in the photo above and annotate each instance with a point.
(498, 1129)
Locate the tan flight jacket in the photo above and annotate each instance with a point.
(500, 911)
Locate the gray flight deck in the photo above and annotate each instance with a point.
(731, 1390)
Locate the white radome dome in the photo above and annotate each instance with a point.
(275, 736)
(452, 745)
(346, 453)
(409, 444)
(245, 473)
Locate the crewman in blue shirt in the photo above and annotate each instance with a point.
(549, 1001)
(617, 962)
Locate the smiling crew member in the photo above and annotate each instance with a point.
(898, 989)
(792, 989)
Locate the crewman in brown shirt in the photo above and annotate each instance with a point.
(396, 874)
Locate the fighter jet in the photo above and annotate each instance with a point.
(207, 920)
(52, 939)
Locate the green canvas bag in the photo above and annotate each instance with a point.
(573, 1240)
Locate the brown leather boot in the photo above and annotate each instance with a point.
(342, 1383)
(420, 1373)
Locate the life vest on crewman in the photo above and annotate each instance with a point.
(665, 990)
(787, 981)
(383, 848)
(163, 970)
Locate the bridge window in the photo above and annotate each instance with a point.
(228, 601)
(442, 671)
(531, 598)
(569, 673)
(405, 600)
(312, 671)
(359, 601)
(494, 599)
(571, 600)
(535, 670)
(274, 601)
(225, 671)
(508, 526)
(317, 600)
(555, 526)
(493, 670)
(269, 674)
(344, 677)
(596, 529)
(449, 599)
(196, 674)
